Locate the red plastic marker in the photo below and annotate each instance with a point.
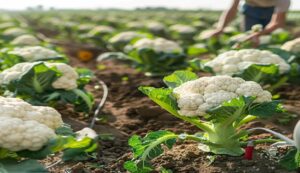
(249, 151)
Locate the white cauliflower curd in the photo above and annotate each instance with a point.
(86, 27)
(158, 45)
(183, 29)
(292, 46)
(156, 26)
(17, 108)
(126, 36)
(102, 29)
(67, 81)
(235, 61)
(34, 53)
(17, 135)
(14, 32)
(26, 40)
(26, 127)
(195, 97)
(86, 132)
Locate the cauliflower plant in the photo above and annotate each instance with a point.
(6, 25)
(135, 25)
(156, 26)
(46, 83)
(35, 53)
(218, 105)
(195, 97)
(83, 28)
(26, 127)
(102, 29)
(26, 40)
(183, 29)
(67, 81)
(292, 46)
(235, 61)
(126, 37)
(14, 32)
(158, 45)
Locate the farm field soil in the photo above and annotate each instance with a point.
(128, 112)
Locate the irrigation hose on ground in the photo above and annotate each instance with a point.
(101, 104)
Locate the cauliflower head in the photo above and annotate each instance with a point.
(183, 29)
(14, 32)
(135, 25)
(158, 45)
(26, 127)
(235, 61)
(26, 40)
(17, 134)
(257, 28)
(101, 30)
(17, 108)
(67, 81)
(195, 97)
(292, 46)
(34, 53)
(126, 37)
(86, 132)
(85, 27)
(156, 26)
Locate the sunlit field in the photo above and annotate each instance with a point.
(145, 90)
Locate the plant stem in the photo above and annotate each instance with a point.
(200, 124)
(194, 138)
(278, 84)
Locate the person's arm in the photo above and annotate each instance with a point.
(277, 21)
(226, 17)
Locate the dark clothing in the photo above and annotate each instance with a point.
(256, 15)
